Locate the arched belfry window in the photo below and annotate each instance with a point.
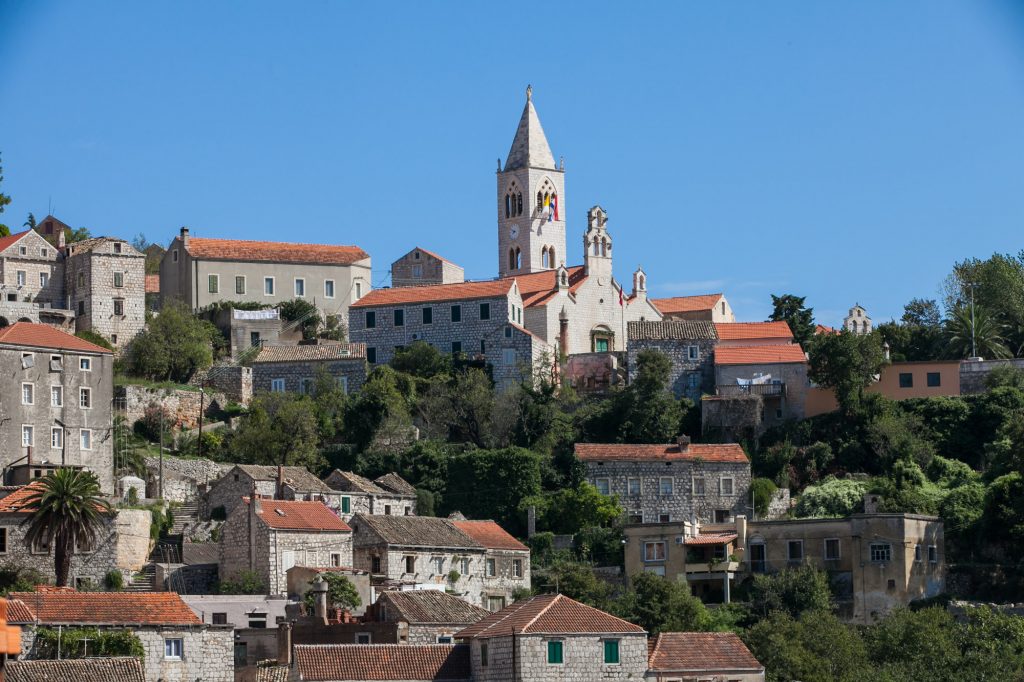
(551, 257)
(604, 247)
(511, 259)
(565, 278)
(519, 203)
(544, 257)
(597, 247)
(508, 205)
(518, 258)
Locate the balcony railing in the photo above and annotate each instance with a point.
(705, 568)
(752, 389)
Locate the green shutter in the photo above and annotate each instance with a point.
(611, 651)
(346, 505)
(554, 652)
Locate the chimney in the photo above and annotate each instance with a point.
(279, 490)
(184, 237)
(563, 333)
(684, 442)
(284, 644)
(320, 599)
(254, 501)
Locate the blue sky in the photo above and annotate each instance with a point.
(845, 151)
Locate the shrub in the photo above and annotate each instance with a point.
(832, 497)
(87, 642)
(244, 582)
(763, 490)
(155, 417)
(114, 580)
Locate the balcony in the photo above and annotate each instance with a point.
(764, 390)
(697, 571)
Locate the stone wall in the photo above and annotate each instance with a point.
(689, 377)
(352, 370)
(418, 268)
(234, 381)
(730, 419)
(503, 583)
(582, 656)
(972, 374)
(184, 479)
(778, 508)
(40, 257)
(183, 405)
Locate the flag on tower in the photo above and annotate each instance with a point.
(554, 207)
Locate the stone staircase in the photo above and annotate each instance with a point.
(144, 581)
(184, 516)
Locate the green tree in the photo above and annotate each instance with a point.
(791, 310)
(243, 582)
(491, 484)
(817, 647)
(302, 314)
(576, 581)
(341, 592)
(174, 345)
(72, 236)
(280, 428)
(420, 359)
(66, 511)
(569, 510)
(793, 590)
(5, 200)
(382, 403)
(30, 222)
(762, 490)
(846, 363)
(998, 286)
(982, 332)
(659, 605)
(646, 411)
(922, 312)
(833, 497)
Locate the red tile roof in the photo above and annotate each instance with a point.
(18, 501)
(710, 539)
(699, 653)
(152, 284)
(108, 608)
(112, 669)
(11, 239)
(538, 287)
(311, 352)
(759, 355)
(337, 662)
(19, 612)
(741, 331)
(825, 329)
(274, 252)
(435, 293)
(686, 304)
(299, 515)
(490, 535)
(45, 336)
(727, 452)
(549, 614)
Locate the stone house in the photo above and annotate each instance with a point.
(552, 637)
(122, 543)
(675, 482)
(775, 373)
(31, 269)
(506, 562)
(388, 495)
(381, 662)
(105, 279)
(676, 656)
(689, 345)
(424, 616)
(270, 536)
(420, 267)
(55, 400)
(704, 307)
(201, 271)
(479, 319)
(433, 552)
(178, 646)
(112, 669)
(296, 368)
(269, 483)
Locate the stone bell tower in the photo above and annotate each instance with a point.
(531, 201)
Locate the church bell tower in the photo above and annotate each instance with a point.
(531, 202)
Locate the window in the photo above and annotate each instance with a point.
(85, 439)
(364, 638)
(335, 560)
(220, 619)
(21, 278)
(410, 564)
(508, 356)
(239, 284)
(699, 486)
(22, 250)
(57, 438)
(28, 394)
(117, 247)
(119, 280)
(554, 653)
(81, 279)
(485, 311)
(81, 308)
(633, 486)
(3, 541)
(601, 345)
(41, 545)
(268, 286)
(399, 318)
(300, 287)
(917, 552)
(491, 568)
(44, 279)
(664, 518)
(258, 620)
(359, 290)
(26, 436)
(438, 565)
(654, 551)
(464, 562)
(693, 380)
(428, 315)
(722, 515)
(343, 383)
(417, 271)
(85, 398)
(346, 505)
(444, 639)
(214, 283)
(375, 564)
(113, 339)
(933, 554)
(174, 256)
(611, 651)
(56, 396)
(483, 654)
(277, 385)
(934, 379)
(726, 486)
(456, 347)
(306, 386)
(371, 319)
(517, 568)
(371, 355)
(831, 549)
(328, 288)
(665, 485)
(906, 380)
(172, 649)
(85, 364)
(118, 307)
(603, 485)
(693, 352)
(456, 313)
(795, 550)
(880, 552)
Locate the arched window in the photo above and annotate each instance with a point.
(519, 258)
(643, 281)
(544, 257)
(597, 247)
(511, 259)
(519, 203)
(604, 247)
(540, 201)
(508, 205)
(565, 279)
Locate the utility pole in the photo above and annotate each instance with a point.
(161, 454)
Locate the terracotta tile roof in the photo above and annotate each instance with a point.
(740, 331)
(710, 539)
(416, 531)
(45, 336)
(299, 515)
(272, 673)
(297, 478)
(490, 535)
(700, 652)
(108, 608)
(686, 304)
(549, 614)
(118, 669)
(395, 484)
(349, 481)
(18, 612)
(759, 355)
(18, 501)
(311, 352)
(435, 293)
(407, 662)
(11, 239)
(539, 287)
(709, 452)
(152, 284)
(274, 252)
(825, 329)
(682, 330)
(427, 606)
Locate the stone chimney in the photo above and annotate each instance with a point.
(279, 488)
(684, 442)
(563, 333)
(284, 644)
(871, 503)
(320, 599)
(184, 237)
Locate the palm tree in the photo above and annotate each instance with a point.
(987, 334)
(66, 511)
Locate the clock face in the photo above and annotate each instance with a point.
(513, 231)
